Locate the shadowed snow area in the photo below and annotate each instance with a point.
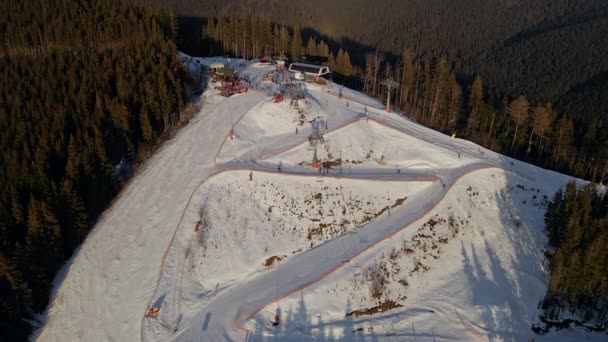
(470, 269)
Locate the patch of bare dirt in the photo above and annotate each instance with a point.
(270, 261)
(383, 307)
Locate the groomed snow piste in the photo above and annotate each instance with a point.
(410, 235)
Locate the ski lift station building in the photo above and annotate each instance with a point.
(216, 67)
(309, 69)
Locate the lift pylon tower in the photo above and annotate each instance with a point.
(390, 83)
(315, 160)
(315, 138)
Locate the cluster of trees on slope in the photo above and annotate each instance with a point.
(83, 85)
(577, 224)
(551, 50)
(430, 93)
(254, 36)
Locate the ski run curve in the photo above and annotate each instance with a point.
(156, 201)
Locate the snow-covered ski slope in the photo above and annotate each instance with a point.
(213, 234)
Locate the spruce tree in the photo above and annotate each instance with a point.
(347, 67)
(331, 61)
(475, 104)
(145, 126)
(518, 111)
(340, 62)
(311, 47)
(296, 44)
(407, 80)
(16, 299)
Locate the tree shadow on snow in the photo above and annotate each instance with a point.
(298, 324)
(507, 279)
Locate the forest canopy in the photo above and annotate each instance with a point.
(577, 224)
(85, 87)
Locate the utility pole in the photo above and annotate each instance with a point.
(390, 83)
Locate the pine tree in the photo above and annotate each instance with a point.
(564, 136)
(540, 123)
(331, 61)
(554, 217)
(557, 273)
(16, 299)
(120, 115)
(244, 29)
(454, 103)
(347, 67)
(476, 95)
(440, 91)
(296, 44)
(407, 80)
(44, 248)
(311, 47)
(284, 40)
(73, 217)
(339, 62)
(72, 168)
(518, 110)
(378, 58)
(145, 126)
(276, 39)
(267, 37)
(591, 137)
(323, 49)
(368, 77)
(475, 104)
(209, 30)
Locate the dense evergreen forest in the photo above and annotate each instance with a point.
(83, 86)
(255, 36)
(577, 223)
(554, 51)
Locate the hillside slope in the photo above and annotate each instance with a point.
(224, 233)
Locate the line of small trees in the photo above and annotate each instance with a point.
(430, 93)
(255, 36)
(577, 225)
